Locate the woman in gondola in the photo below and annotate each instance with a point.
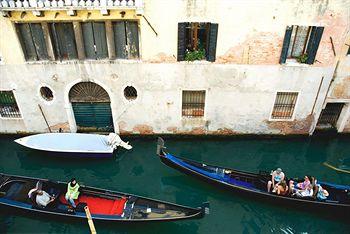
(72, 192)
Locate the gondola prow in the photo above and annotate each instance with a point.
(160, 147)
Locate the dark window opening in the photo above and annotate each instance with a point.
(197, 41)
(63, 40)
(193, 103)
(46, 93)
(32, 40)
(330, 114)
(8, 105)
(348, 51)
(284, 105)
(130, 93)
(95, 43)
(126, 39)
(301, 43)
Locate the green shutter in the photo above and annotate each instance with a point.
(93, 115)
(286, 43)
(64, 40)
(88, 36)
(39, 41)
(181, 41)
(100, 40)
(132, 37)
(314, 41)
(25, 37)
(211, 48)
(120, 39)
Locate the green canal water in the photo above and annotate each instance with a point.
(140, 172)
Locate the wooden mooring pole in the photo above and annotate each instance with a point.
(90, 222)
(42, 113)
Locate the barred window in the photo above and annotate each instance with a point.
(193, 103)
(284, 105)
(8, 105)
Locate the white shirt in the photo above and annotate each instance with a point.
(43, 199)
(307, 193)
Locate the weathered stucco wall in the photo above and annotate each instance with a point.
(239, 98)
(240, 86)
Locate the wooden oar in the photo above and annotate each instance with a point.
(90, 222)
(335, 168)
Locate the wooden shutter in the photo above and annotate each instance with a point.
(89, 45)
(181, 41)
(211, 48)
(39, 41)
(64, 41)
(286, 42)
(100, 40)
(132, 37)
(25, 37)
(120, 39)
(314, 41)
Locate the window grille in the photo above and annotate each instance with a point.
(330, 114)
(46, 93)
(8, 105)
(130, 93)
(284, 105)
(193, 103)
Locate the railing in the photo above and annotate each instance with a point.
(20, 5)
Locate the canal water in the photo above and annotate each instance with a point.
(140, 172)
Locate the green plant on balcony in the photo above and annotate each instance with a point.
(195, 55)
(302, 58)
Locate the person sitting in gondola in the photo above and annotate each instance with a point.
(40, 197)
(72, 192)
(307, 192)
(294, 186)
(276, 177)
(281, 188)
(322, 194)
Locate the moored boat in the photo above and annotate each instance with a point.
(75, 144)
(254, 185)
(104, 205)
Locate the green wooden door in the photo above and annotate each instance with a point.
(93, 116)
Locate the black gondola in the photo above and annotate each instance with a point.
(254, 185)
(103, 204)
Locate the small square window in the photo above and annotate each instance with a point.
(284, 105)
(8, 105)
(193, 103)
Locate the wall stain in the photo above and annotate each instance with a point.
(301, 126)
(143, 129)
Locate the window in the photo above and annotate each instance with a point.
(63, 40)
(301, 43)
(32, 40)
(46, 93)
(95, 43)
(348, 53)
(330, 114)
(197, 41)
(193, 103)
(130, 93)
(8, 105)
(284, 105)
(126, 39)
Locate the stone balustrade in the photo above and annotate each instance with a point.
(44, 5)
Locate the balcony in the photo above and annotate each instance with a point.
(37, 6)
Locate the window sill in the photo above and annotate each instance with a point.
(86, 61)
(11, 118)
(295, 63)
(280, 120)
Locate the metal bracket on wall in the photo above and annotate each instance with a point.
(333, 46)
(150, 25)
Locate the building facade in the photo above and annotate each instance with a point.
(174, 67)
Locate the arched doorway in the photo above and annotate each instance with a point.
(92, 107)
